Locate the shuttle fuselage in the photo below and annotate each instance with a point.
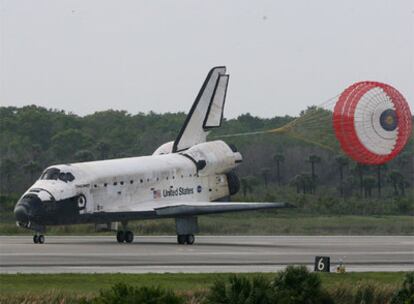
(102, 191)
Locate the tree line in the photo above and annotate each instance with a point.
(32, 138)
(361, 178)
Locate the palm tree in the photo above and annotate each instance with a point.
(248, 183)
(314, 159)
(265, 174)
(360, 169)
(348, 186)
(246, 186)
(302, 182)
(402, 185)
(369, 183)
(342, 163)
(296, 181)
(396, 179)
(379, 178)
(278, 158)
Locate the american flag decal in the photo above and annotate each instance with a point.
(156, 194)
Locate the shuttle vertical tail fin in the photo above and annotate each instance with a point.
(206, 112)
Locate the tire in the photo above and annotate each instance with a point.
(190, 239)
(41, 239)
(129, 236)
(35, 239)
(120, 236)
(181, 239)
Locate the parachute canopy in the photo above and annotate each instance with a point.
(372, 122)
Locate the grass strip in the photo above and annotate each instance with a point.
(91, 284)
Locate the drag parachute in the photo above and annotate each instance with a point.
(372, 122)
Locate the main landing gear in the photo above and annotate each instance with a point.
(185, 228)
(185, 239)
(124, 236)
(38, 239)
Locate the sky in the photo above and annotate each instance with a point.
(282, 56)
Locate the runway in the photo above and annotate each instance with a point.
(159, 254)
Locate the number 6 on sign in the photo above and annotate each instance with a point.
(322, 264)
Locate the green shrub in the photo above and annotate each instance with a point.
(124, 294)
(240, 290)
(343, 294)
(365, 294)
(406, 294)
(296, 285)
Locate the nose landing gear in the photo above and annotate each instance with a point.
(38, 239)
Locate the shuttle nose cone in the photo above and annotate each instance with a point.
(21, 214)
(27, 208)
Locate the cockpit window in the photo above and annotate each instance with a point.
(27, 196)
(55, 174)
(69, 177)
(62, 176)
(52, 173)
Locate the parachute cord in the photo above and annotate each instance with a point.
(297, 136)
(311, 119)
(242, 134)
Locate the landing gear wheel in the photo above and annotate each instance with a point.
(41, 239)
(181, 239)
(120, 236)
(129, 236)
(185, 239)
(35, 239)
(190, 239)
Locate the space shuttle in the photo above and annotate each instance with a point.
(182, 179)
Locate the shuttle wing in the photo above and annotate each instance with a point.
(177, 208)
(197, 208)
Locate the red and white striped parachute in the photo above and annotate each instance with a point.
(372, 122)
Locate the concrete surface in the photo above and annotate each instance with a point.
(158, 254)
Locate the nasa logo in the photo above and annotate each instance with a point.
(199, 189)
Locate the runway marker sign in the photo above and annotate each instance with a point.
(322, 264)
